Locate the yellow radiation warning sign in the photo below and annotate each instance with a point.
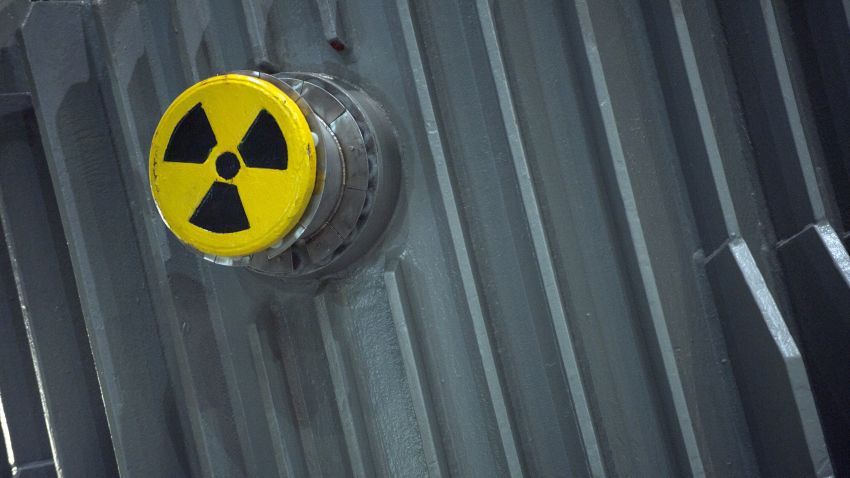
(232, 165)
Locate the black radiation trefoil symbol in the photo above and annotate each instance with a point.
(263, 146)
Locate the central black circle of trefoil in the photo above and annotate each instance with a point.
(227, 165)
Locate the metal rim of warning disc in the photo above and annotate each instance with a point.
(357, 146)
(202, 138)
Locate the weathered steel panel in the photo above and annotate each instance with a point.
(617, 249)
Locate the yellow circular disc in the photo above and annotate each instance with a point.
(232, 165)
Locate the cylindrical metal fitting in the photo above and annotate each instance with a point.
(340, 213)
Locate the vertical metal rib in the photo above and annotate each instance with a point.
(50, 402)
(769, 370)
(616, 155)
(792, 112)
(307, 436)
(763, 353)
(251, 457)
(119, 77)
(98, 220)
(817, 268)
(459, 240)
(271, 385)
(254, 19)
(194, 17)
(356, 439)
(545, 263)
(703, 118)
(414, 369)
(776, 114)
(23, 428)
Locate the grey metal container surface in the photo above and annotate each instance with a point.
(620, 247)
